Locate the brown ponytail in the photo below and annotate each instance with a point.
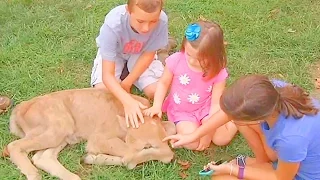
(294, 101)
(254, 97)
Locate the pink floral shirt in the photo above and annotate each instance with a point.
(189, 92)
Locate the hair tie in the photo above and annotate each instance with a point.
(204, 74)
(192, 32)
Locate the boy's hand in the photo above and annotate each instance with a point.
(132, 109)
(153, 111)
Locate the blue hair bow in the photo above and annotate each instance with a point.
(192, 32)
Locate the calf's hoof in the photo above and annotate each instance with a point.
(127, 161)
(131, 165)
(88, 159)
(34, 177)
(75, 177)
(167, 160)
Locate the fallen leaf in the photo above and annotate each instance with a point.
(60, 9)
(281, 75)
(61, 70)
(202, 18)
(183, 175)
(291, 31)
(184, 164)
(274, 12)
(186, 167)
(89, 6)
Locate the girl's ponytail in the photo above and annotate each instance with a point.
(294, 101)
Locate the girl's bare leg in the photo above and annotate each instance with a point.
(224, 134)
(187, 127)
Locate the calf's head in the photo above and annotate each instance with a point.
(146, 142)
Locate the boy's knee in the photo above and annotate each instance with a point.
(150, 95)
(100, 86)
(150, 90)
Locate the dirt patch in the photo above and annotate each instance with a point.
(315, 72)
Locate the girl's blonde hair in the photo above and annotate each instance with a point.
(210, 46)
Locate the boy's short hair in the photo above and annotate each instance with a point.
(148, 6)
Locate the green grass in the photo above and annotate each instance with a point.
(49, 45)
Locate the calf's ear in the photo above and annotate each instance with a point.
(169, 127)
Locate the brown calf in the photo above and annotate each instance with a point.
(46, 124)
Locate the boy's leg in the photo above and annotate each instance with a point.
(96, 74)
(148, 80)
(150, 90)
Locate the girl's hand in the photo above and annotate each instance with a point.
(179, 140)
(132, 110)
(220, 169)
(204, 143)
(153, 111)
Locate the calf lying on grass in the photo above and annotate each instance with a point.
(46, 124)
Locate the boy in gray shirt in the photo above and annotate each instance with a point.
(131, 33)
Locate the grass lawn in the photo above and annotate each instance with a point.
(49, 45)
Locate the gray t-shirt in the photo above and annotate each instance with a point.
(117, 40)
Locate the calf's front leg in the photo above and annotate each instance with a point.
(102, 159)
(164, 155)
(106, 152)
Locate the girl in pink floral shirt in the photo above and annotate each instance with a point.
(196, 76)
